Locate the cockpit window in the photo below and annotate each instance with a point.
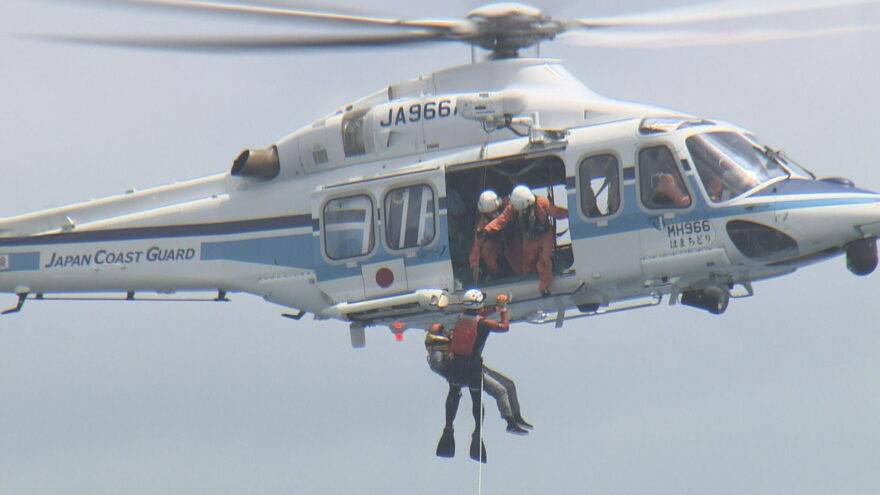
(661, 185)
(729, 165)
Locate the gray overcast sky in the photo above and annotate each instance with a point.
(779, 395)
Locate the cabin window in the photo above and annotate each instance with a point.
(409, 217)
(348, 227)
(661, 185)
(600, 185)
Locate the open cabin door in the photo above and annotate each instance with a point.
(504, 258)
(382, 236)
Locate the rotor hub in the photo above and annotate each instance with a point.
(505, 28)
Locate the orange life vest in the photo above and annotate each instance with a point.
(465, 334)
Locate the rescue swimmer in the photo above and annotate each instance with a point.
(500, 387)
(469, 337)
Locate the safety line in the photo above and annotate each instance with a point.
(482, 416)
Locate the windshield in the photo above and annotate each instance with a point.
(729, 165)
(793, 167)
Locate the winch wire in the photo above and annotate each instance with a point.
(482, 415)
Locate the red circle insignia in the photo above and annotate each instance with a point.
(384, 278)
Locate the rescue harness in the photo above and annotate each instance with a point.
(530, 225)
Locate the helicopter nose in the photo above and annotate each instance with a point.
(861, 254)
(867, 221)
(833, 220)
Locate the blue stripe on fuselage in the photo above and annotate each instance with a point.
(632, 218)
(289, 251)
(163, 231)
(303, 250)
(801, 186)
(18, 262)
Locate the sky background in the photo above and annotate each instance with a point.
(779, 395)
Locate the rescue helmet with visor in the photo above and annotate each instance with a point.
(521, 198)
(473, 299)
(488, 202)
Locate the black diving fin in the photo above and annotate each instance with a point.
(478, 448)
(446, 445)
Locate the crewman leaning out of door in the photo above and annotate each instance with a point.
(530, 216)
(490, 248)
(497, 385)
(468, 339)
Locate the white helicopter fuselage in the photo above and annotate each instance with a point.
(366, 215)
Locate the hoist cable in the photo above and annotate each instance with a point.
(552, 198)
(482, 415)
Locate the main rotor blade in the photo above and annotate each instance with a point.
(717, 11)
(252, 44)
(678, 39)
(279, 12)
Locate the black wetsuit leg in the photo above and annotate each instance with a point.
(475, 384)
(477, 408)
(452, 400)
(478, 448)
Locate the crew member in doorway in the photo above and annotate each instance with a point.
(468, 339)
(497, 385)
(530, 215)
(489, 249)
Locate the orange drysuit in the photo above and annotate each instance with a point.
(490, 248)
(535, 236)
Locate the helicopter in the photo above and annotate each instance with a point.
(392, 180)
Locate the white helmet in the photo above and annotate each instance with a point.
(489, 202)
(473, 298)
(521, 198)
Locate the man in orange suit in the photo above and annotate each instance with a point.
(530, 216)
(489, 249)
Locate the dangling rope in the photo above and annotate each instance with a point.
(552, 198)
(482, 415)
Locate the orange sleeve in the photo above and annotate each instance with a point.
(552, 209)
(499, 326)
(474, 258)
(500, 221)
(558, 211)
